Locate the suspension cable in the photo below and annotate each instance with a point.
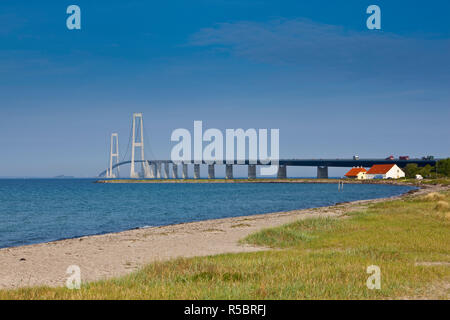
(152, 155)
(129, 142)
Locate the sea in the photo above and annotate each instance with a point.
(42, 210)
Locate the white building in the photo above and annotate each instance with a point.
(385, 171)
(356, 173)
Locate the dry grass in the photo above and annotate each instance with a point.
(321, 259)
(442, 206)
(433, 196)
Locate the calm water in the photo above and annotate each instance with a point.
(33, 211)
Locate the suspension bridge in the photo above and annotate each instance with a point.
(145, 168)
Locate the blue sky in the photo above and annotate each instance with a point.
(310, 68)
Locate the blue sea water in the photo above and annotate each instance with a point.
(34, 210)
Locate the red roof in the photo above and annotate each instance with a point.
(354, 172)
(380, 168)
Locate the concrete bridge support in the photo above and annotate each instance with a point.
(196, 171)
(322, 172)
(152, 169)
(166, 170)
(229, 171)
(146, 170)
(185, 171)
(211, 173)
(252, 171)
(158, 170)
(174, 171)
(282, 172)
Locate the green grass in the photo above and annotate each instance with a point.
(442, 181)
(323, 258)
(296, 234)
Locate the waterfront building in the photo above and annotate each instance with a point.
(385, 171)
(357, 173)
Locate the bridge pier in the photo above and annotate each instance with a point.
(174, 171)
(152, 169)
(322, 172)
(185, 171)
(196, 171)
(158, 170)
(211, 173)
(133, 174)
(252, 171)
(166, 170)
(229, 171)
(282, 172)
(146, 170)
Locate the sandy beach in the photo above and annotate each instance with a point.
(110, 255)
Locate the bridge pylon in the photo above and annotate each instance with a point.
(113, 156)
(138, 142)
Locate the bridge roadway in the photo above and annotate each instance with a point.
(322, 165)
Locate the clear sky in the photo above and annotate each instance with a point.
(310, 68)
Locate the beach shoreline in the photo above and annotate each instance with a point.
(115, 254)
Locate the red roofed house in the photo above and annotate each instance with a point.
(356, 173)
(385, 171)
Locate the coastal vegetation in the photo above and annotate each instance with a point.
(321, 258)
(440, 170)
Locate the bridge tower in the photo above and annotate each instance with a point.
(138, 142)
(113, 156)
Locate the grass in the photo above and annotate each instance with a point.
(323, 258)
(442, 181)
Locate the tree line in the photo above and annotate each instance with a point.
(440, 170)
